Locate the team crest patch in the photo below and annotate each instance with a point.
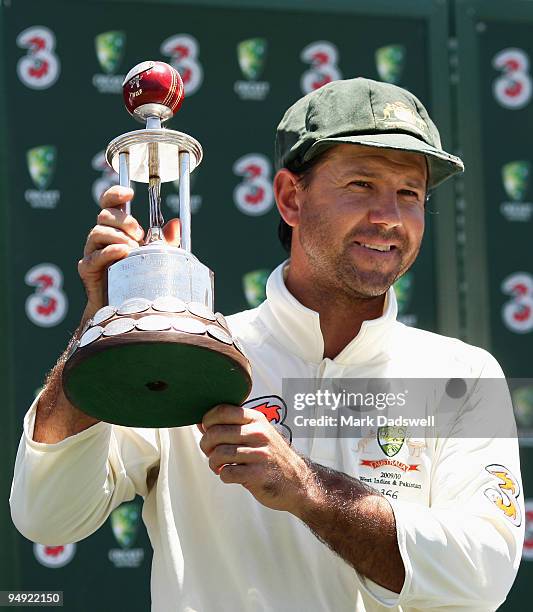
(391, 439)
(275, 410)
(397, 114)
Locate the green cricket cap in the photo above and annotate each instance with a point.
(363, 112)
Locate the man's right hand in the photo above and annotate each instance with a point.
(115, 234)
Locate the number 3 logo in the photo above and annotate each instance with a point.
(254, 196)
(513, 88)
(47, 306)
(323, 57)
(506, 495)
(183, 52)
(517, 313)
(40, 67)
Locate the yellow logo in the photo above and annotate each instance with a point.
(397, 113)
(505, 496)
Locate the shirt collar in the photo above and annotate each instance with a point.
(297, 327)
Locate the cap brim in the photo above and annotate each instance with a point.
(442, 165)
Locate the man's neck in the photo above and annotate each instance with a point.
(341, 316)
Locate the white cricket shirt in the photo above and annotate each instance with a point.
(217, 549)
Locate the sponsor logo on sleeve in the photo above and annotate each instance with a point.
(504, 493)
(109, 47)
(251, 55)
(125, 525)
(275, 410)
(54, 557)
(516, 178)
(41, 163)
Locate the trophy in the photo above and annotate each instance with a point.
(157, 355)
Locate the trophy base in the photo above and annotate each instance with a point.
(151, 383)
(139, 366)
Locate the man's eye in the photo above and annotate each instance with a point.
(409, 193)
(360, 183)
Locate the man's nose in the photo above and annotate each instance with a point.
(385, 211)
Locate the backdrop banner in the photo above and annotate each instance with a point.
(243, 63)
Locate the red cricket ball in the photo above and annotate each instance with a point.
(153, 83)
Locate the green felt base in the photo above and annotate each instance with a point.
(153, 384)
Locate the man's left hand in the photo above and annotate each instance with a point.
(244, 448)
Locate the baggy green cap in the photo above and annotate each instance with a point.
(364, 112)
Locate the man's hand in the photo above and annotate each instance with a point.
(115, 234)
(350, 517)
(244, 448)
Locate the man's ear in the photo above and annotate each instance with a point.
(285, 191)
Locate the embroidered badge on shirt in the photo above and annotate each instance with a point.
(391, 439)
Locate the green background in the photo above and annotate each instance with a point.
(456, 287)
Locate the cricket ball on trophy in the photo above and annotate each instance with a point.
(150, 85)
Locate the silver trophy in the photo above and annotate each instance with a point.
(157, 355)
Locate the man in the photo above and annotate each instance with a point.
(300, 529)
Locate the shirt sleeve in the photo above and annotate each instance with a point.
(63, 492)
(463, 551)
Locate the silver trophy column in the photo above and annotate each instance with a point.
(157, 268)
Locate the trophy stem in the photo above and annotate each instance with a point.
(155, 232)
(124, 175)
(185, 200)
(153, 123)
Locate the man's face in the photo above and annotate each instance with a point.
(361, 218)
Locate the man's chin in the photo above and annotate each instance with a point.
(369, 293)
(371, 286)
